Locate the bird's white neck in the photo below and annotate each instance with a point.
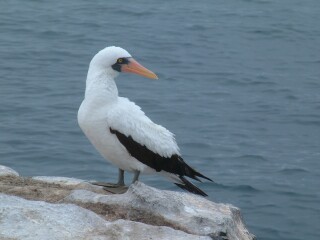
(100, 85)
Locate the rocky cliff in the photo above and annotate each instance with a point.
(67, 208)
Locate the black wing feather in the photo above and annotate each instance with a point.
(173, 164)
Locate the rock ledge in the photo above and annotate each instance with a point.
(68, 208)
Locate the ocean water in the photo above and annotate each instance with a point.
(239, 86)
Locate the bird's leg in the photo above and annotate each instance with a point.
(136, 176)
(121, 178)
(117, 188)
(119, 184)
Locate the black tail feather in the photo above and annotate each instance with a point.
(195, 173)
(196, 178)
(192, 173)
(186, 185)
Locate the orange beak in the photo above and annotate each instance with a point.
(134, 67)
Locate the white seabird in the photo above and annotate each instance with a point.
(120, 130)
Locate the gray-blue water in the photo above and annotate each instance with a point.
(239, 86)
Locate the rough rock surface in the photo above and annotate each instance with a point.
(182, 211)
(6, 171)
(31, 220)
(85, 211)
(49, 189)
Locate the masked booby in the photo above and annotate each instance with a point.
(120, 130)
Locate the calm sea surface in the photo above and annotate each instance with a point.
(239, 86)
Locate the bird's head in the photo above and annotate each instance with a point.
(116, 60)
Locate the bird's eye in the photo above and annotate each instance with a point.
(120, 60)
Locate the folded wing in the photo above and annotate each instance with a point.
(151, 144)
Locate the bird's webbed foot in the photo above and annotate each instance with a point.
(109, 185)
(118, 187)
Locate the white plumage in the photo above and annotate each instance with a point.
(119, 129)
(128, 117)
